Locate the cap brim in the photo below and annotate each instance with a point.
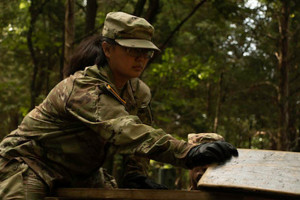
(137, 43)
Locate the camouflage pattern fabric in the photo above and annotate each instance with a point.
(199, 138)
(18, 181)
(129, 30)
(99, 179)
(107, 181)
(66, 138)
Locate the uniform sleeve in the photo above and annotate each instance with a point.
(136, 164)
(107, 116)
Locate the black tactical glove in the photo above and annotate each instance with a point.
(139, 181)
(211, 152)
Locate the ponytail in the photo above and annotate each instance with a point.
(89, 52)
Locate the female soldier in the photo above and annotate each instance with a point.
(98, 108)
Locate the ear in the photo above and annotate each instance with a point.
(106, 49)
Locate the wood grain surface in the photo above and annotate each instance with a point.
(138, 194)
(257, 170)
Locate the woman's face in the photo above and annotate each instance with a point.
(125, 63)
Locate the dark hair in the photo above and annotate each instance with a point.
(89, 52)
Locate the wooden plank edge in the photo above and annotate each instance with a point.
(250, 191)
(138, 194)
(99, 193)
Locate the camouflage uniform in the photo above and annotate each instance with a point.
(66, 138)
(199, 138)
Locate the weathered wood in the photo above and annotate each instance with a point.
(263, 171)
(136, 194)
(94, 193)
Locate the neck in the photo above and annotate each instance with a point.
(120, 82)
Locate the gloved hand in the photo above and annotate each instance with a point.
(211, 152)
(139, 181)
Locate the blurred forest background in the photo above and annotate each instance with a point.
(226, 66)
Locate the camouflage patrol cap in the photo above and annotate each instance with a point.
(198, 138)
(128, 30)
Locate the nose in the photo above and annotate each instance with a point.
(141, 58)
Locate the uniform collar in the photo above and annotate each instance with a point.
(104, 73)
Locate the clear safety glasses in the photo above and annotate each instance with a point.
(138, 52)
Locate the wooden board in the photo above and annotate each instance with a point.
(137, 194)
(132, 194)
(276, 172)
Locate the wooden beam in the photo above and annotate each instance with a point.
(137, 194)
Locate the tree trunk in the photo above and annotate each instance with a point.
(33, 18)
(35, 10)
(152, 11)
(209, 113)
(62, 55)
(139, 7)
(14, 119)
(292, 126)
(91, 12)
(283, 69)
(69, 31)
(218, 105)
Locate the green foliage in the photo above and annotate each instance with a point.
(181, 76)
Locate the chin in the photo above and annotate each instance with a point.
(136, 75)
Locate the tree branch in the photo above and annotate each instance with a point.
(265, 83)
(80, 6)
(77, 40)
(256, 85)
(163, 46)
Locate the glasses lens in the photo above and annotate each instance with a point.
(135, 52)
(150, 53)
